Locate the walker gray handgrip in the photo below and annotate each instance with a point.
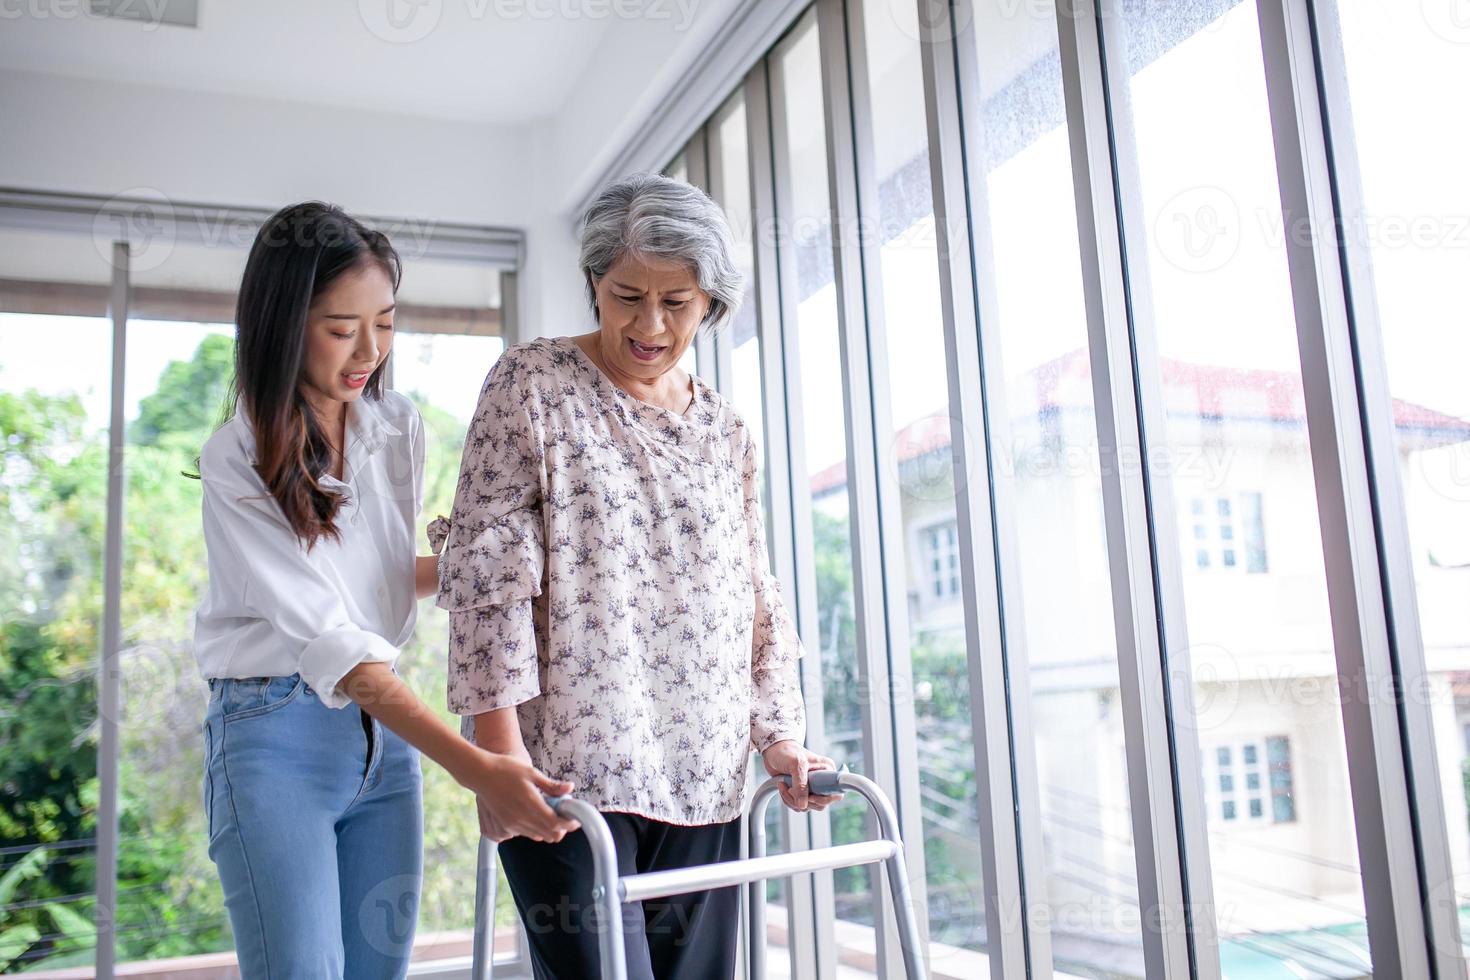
(554, 801)
(820, 782)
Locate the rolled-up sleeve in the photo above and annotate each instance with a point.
(776, 708)
(281, 583)
(492, 550)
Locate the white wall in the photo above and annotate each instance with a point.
(106, 138)
(86, 137)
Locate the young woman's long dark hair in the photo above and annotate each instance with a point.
(297, 254)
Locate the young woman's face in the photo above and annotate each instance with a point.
(349, 331)
(648, 311)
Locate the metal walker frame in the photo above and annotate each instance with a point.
(613, 890)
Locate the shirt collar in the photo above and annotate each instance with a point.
(367, 426)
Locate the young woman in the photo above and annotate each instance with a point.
(311, 493)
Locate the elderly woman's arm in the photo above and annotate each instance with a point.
(493, 559)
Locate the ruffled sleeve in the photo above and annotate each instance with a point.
(776, 708)
(492, 549)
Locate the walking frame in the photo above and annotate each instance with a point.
(612, 890)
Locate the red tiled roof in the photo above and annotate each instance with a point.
(1189, 389)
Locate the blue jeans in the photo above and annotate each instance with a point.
(315, 819)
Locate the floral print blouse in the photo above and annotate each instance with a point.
(605, 570)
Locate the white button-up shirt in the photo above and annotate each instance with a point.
(272, 608)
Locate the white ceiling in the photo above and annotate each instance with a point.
(502, 62)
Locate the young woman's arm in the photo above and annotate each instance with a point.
(426, 575)
(509, 780)
(264, 563)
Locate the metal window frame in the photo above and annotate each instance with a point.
(697, 172)
(1166, 802)
(1398, 810)
(1007, 779)
(109, 666)
(1427, 801)
(720, 349)
(811, 907)
(879, 576)
(66, 213)
(125, 216)
(1176, 707)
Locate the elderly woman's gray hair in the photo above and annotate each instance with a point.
(652, 216)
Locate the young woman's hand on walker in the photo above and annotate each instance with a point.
(499, 732)
(506, 786)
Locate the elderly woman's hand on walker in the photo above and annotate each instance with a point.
(790, 758)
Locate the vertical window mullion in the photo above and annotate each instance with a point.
(812, 912)
(1348, 494)
(109, 677)
(1427, 802)
(859, 313)
(719, 344)
(1166, 799)
(1004, 750)
(891, 584)
(697, 172)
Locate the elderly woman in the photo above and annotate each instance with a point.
(613, 620)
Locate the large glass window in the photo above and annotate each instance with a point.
(177, 376)
(55, 411)
(1047, 462)
(55, 405)
(1413, 222)
(916, 450)
(730, 141)
(55, 383)
(1213, 285)
(444, 345)
(806, 234)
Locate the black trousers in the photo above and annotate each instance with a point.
(683, 937)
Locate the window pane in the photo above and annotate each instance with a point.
(807, 235)
(1046, 440)
(176, 382)
(917, 450)
(1415, 225)
(744, 389)
(54, 417)
(1217, 294)
(442, 373)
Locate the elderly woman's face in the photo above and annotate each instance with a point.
(649, 310)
